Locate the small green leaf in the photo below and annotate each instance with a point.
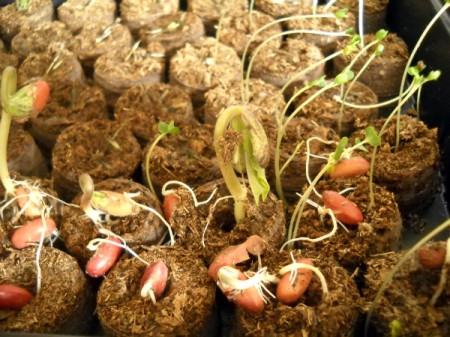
(372, 136)
(320, 82)
(433, 75)
(340, 148)
(359, 145)
(345, 76)
(170, 128)
(379, 50)
(396, 328)
(414, 71)
(349, 31)
(381, 34)
(342, 13)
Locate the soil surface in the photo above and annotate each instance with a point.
(185, 309)
(65, 302)
(143, 228)
(313, 314)
(407, 297)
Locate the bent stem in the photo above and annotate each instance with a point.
(8, 88)
(390, 275)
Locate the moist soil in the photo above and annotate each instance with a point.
(121, 69)
(326, 111)
(24, 156)
(298, 131)
(266, 97)
(327, 44)
(57, 65)
(236, 29)
(65, 303)
(142, 107)
(202, 66)
(143, 228)
(7, 59)
(374, 12)
(187, 306)
(313, 314)
(412, 172)
(385, 72)
(279, 65)
(407, 297)
(13, 21)
(78, 13)
(102, 148)
(38, 39)
(279, 9)
(138, 13)
(96, 39)
(351, 246)
(173, 31)
(211, 11)
(69, 104)
(188, 156)
(267, 219)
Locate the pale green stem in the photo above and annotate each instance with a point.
(408, 64)
(268, 25)
(147, 161)
(282, 130)
(375, 148)
(375, 106)
(394, 270)
(8, 88)
(237, 190)
(350, 86)
(275, 36)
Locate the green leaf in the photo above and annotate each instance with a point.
(340, 148)
(342, 13)
(320, 82)
(372, 136)
(345, 76)
(433, 75)
(170, 128)
(379, 50)
(255, 173)
(396, 328)
(359, 145)
(381, 34)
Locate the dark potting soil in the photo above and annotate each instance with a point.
(186, 308)
(215, 225)
(411, 172)
(142, 107)
(102, 148)
(143, 228)
(65, 303)
(406, 299)
(379, 232)
(314, 314)
(188, 156)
